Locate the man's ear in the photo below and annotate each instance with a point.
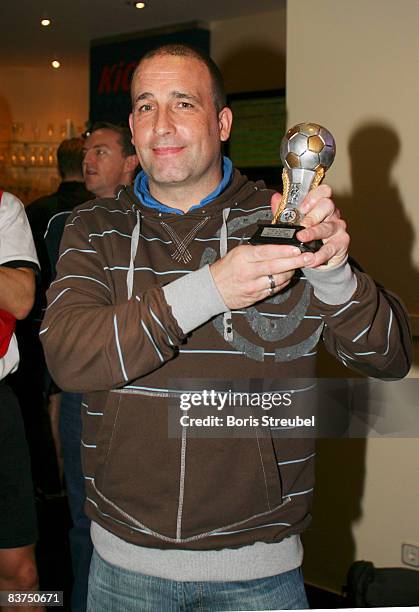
(225, 120)
(131, 162)
(130, 121)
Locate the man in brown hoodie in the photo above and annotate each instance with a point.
(157, 300)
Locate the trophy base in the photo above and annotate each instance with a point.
(283, 233)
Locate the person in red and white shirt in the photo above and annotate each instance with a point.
(18, 261)
(18, 529)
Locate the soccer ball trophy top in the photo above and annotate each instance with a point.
(307, 151)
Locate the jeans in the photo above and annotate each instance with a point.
(118, 590)
(81, 546)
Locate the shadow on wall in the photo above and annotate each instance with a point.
(382, 241)
(381, 234)
(329, 547)
(253, 68)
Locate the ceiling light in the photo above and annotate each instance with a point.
(139, 5)
(45, 22)
(55, 64)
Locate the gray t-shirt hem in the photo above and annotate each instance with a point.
(258, 560)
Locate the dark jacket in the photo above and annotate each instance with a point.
(32, 378)
(68, 195)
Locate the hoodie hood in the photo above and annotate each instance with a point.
(238, 190)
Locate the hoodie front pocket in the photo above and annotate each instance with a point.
(228, 481)
(181, 487)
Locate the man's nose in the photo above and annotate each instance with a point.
(89, 156)
(162, 123)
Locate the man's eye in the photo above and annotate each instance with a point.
(185, 105)
(144, 108)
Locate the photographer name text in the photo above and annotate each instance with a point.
(251, 421)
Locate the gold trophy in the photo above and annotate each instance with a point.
(307, 151)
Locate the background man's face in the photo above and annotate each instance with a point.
(176, 131)
(103, 163)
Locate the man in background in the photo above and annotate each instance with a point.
(69, 194)
(109, 160)
(106, 159)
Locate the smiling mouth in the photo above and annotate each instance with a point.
(167, 150)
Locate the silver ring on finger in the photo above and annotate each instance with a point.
(272, 285)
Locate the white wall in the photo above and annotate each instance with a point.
(352, 66)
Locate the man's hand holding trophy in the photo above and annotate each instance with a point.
(306, 230)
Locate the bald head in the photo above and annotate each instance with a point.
(182, 50)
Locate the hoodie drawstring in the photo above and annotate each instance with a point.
(135, 237)
(227, 319)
